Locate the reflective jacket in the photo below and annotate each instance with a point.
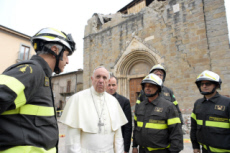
(157, 126)
(168, 95)
(210, 125)
(27, 115)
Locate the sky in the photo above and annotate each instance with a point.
(69, 16)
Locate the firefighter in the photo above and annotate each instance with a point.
(27, 115)
(166, 93)
(210, 125)
(157, 126)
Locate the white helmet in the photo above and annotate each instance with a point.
(48, 35)
(208, 76)
(152, 79)
(51, 35)
(158, 67)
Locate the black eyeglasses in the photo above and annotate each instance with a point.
(206, 84)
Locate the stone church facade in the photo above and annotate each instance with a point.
(185, 36)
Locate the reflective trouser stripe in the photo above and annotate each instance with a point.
(135, 117)
(174, 121)
(139, 124)
(151, 149)
(199, 122)
(156, 126)
(138, 102)
(175, 102)
(214, 149)
(16, 86)
(218, 150)
(28, 149)
(31, 110)
(217, 124)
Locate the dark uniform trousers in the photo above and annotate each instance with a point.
(157, 127)
(145, 150)
(27, 114)
(167, 94)
(210, 124)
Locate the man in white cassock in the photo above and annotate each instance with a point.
(94, 119)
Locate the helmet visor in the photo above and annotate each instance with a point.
(71, 42)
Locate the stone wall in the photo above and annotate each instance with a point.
(186, 36)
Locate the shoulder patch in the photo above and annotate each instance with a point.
(47, 82)
(166, 94)
(24, 68)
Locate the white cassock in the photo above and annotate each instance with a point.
(81, 114)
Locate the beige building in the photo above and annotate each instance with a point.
(186, 36)
(65, 85)
(15, 47)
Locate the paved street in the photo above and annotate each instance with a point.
(187, 143)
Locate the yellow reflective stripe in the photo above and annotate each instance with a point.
(151, 149)
(32, 110)
(217, 124)
(205, 147)
(28, 149)
(199, 122)
(11, 112)
(156, 126)
(138, 102)
(50, 37)
(193, 116)
(135, 118)
(218, 150)
(139, 124)
(15, 85)
(175, 103)
(210, 76)
(214, 149)
(59, 32)
(174, 121)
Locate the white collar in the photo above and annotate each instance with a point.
(96, 93)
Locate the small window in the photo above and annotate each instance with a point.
(24, 53)
(68, 86)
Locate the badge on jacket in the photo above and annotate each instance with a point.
(166, 94)
(158, 109)
(23, 68)
(47, 82)
(220, 107)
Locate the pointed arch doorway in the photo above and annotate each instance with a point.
(132, 66)
(131, 72)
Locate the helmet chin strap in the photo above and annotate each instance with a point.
(152, 95)
(58, 57)
(208, 93)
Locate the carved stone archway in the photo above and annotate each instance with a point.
(135, 55)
